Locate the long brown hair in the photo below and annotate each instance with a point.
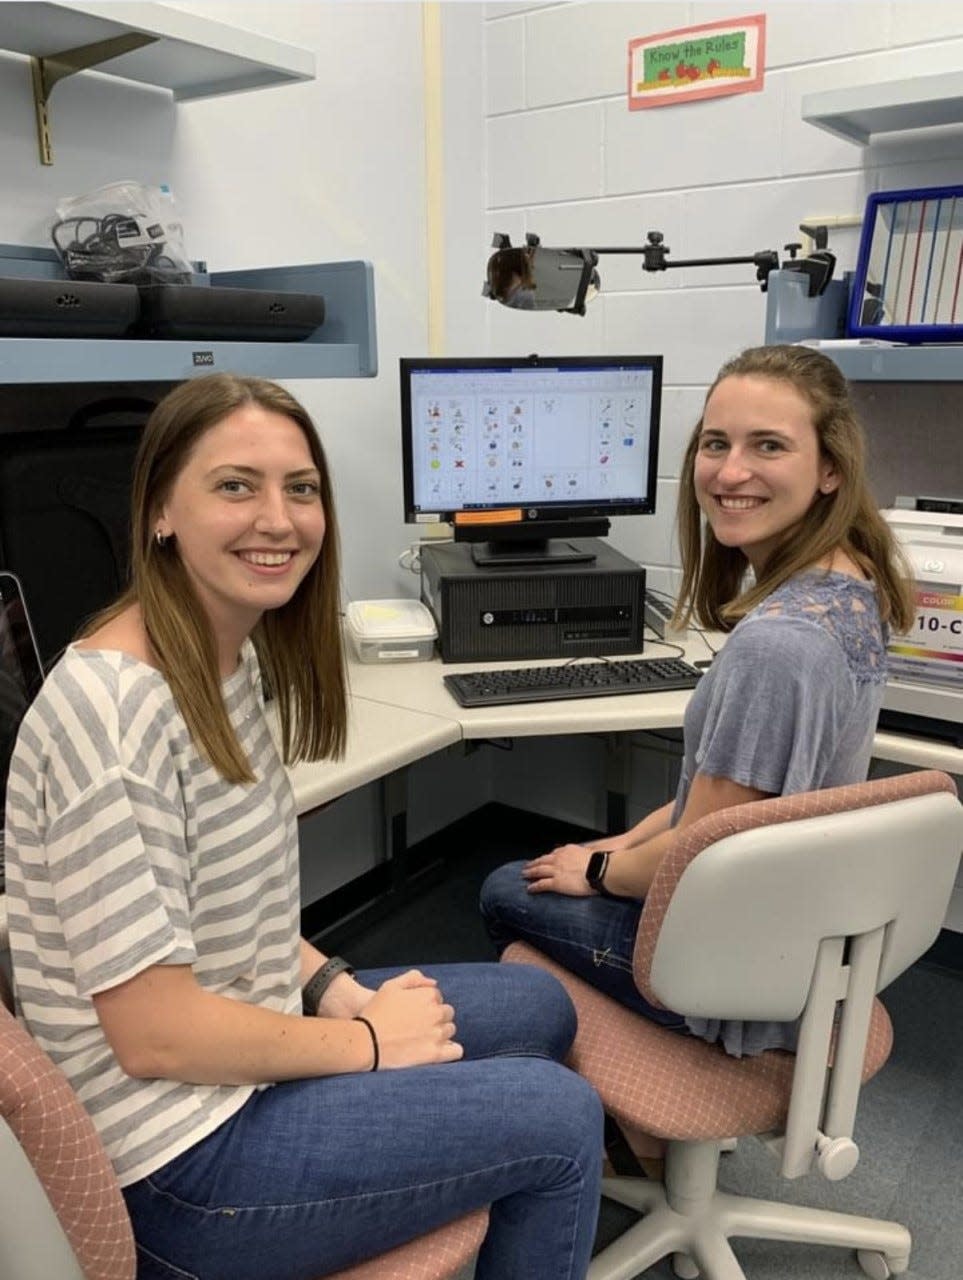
(846, 519)
(298, 645)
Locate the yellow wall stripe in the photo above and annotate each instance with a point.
(434, 188)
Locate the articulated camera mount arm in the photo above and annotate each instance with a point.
(542, 279)
(654, 258)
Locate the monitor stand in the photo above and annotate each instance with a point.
(532, 553)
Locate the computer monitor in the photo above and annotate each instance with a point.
(521, 454)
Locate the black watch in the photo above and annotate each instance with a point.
(598, 864)
(320, 980)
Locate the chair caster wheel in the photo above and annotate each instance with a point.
(873, 1264)
(684, 1267)
(878, 1266)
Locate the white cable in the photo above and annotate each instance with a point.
(410, 558)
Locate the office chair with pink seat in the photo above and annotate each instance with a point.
(801, 906)
(62, 1215)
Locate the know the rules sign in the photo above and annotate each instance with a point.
(707, 61)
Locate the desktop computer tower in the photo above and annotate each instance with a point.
(488, 614)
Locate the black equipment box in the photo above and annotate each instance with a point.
(486, 614)
(65, 515)
(65, 308)
(232, 315)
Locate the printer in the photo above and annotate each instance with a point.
(924, 693)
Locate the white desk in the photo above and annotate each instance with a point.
(922, 753)
(381, 739)
(401, 712)
(418, 687)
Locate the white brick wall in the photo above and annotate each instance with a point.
(567, 159)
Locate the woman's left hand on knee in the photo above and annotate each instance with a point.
(561, 871)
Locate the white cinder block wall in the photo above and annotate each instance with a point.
(536, 136)
(566, 158)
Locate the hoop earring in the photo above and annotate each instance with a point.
(161, 539)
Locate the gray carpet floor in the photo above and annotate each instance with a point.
(910, 1122)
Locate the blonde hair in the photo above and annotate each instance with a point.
(298, 645)
(846, 519)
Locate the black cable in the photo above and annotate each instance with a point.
(700, 631)
(667, 644)
(92, 249)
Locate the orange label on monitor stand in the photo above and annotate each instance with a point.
(510, 516)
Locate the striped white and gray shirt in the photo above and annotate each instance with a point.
(125, 849)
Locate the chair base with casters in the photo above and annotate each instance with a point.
(62, 1214)
(692, 1220)
(686, 1215)
(826, 898)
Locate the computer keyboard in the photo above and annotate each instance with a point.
(577, 680)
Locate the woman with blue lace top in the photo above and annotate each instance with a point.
(773, 481)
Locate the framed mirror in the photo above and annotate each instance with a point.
(531, 278)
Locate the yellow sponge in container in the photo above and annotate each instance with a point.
(390, 630)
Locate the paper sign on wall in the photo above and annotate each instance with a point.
(707, 61)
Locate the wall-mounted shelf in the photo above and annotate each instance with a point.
(152, 44)
(860, 113)
(193, 57)
(899, 364)
(345, 346)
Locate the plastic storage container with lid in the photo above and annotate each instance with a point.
(390, 630)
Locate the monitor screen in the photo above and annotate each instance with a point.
(528, 441)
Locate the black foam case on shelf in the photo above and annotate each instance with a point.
(65, 308)
(240, 315)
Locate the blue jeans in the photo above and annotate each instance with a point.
(592, 937)
(314, 1175)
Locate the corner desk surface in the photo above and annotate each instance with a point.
(402, 712)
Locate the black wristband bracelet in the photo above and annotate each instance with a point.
(318, 983)
(598, 864)
(374, 1039)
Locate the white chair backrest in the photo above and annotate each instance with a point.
(807, 905)
(743, 928)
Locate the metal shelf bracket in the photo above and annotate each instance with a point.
(48, 71)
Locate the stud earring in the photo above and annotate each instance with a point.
(161, 539)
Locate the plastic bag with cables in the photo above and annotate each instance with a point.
(122, 233)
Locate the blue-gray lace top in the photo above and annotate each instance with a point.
(790, 704)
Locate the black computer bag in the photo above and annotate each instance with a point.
(65, 515)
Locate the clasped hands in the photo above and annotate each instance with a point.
(413, 1023)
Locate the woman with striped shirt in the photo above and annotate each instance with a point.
(154, 911)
